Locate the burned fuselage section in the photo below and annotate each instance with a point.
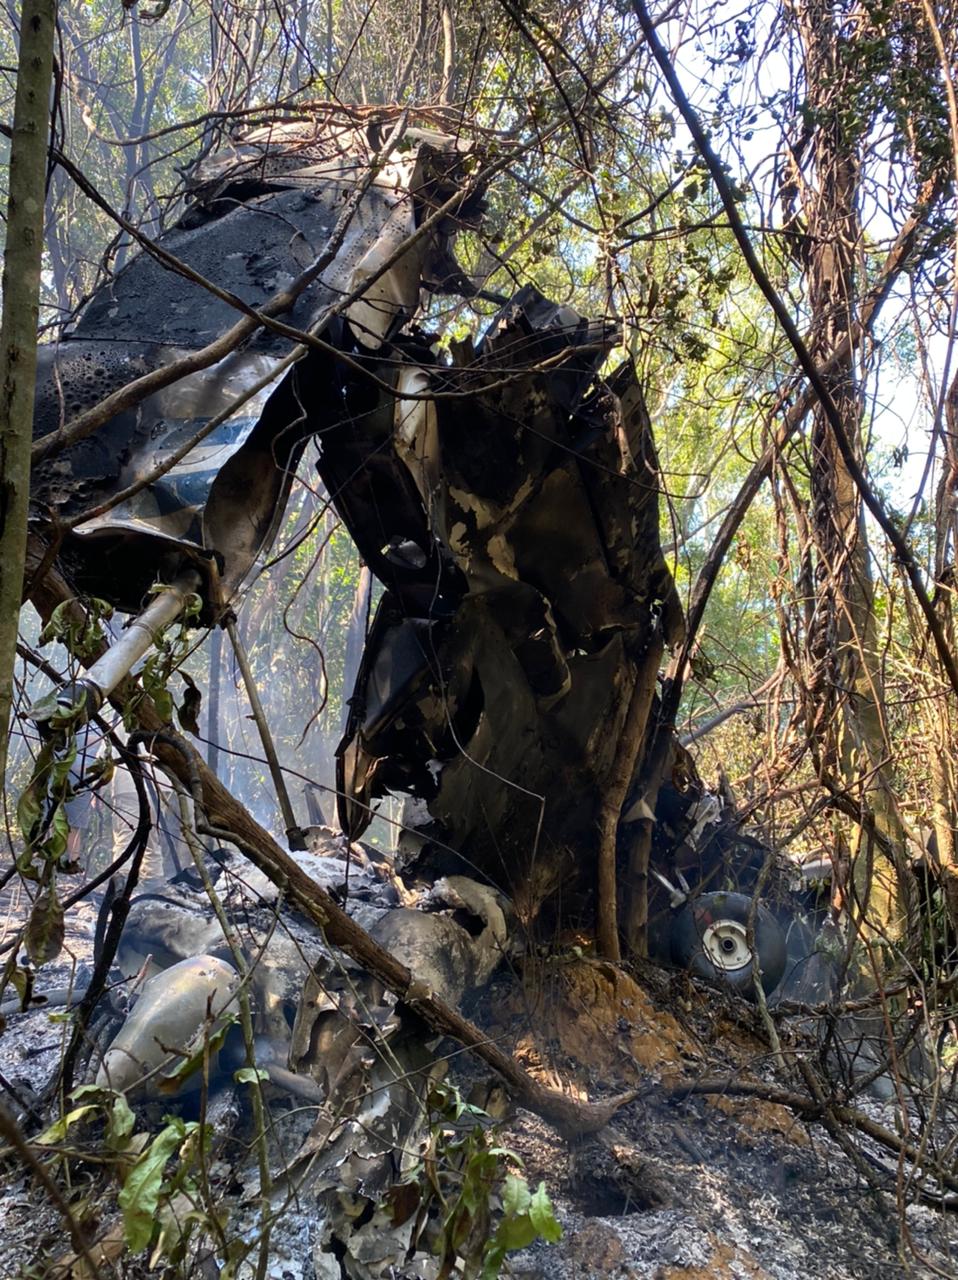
(505, 495)
(516, 531)
(309, 224)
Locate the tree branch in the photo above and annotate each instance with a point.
(805, 360)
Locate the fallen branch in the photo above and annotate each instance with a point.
(230, 820)
(811, 1110)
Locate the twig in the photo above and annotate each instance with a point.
(808, 1109)
(10, 1131)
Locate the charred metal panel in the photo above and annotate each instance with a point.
(537, 484)
(261, 216)
(508, 499)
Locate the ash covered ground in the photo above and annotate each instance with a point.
(694, 1187)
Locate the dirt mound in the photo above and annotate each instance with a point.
(577, 1021)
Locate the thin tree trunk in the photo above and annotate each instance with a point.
(845, 703)
(938, 714)
(213, 700)
(628, 749)
(18, 333)
(447, 88)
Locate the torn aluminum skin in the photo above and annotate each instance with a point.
(259, 218)
(514, 522)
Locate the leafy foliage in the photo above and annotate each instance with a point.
(152, 1168)
(474, 1190)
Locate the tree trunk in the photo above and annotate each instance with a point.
(845, 695)
(18, 333)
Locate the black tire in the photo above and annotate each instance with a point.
(708, 937)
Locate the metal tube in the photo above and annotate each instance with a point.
(83, 698)
(107, 672)
(294, 832)
(676, 897)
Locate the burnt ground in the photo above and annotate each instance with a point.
(676, 1189)
(707, 1186)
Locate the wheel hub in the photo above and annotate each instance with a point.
(726, 944)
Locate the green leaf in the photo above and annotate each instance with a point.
(58, 1130)
(492, 1261)
(516, 1196)
(205, 1046)
(515, 1233)
(22, 981)
(507, 1154)
(26, 868)
(542, 1215)
(55, 626)
(63, 762)
(100, 772)
(247, 1075)
(28, 810)
(55, 844)
(44, 708)
(163, 701)
(192, 605)
(120, 1122)
(143, 1185)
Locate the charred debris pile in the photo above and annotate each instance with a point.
(505, 494)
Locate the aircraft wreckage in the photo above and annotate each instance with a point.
(505, 495)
